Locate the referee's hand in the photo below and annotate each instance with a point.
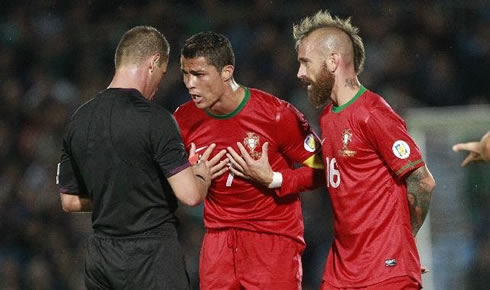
(215, 165)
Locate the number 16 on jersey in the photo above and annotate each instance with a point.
(332, 172)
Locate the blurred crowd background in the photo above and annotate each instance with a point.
(55, 55)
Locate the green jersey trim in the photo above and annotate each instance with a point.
(338, 109)
(236, 111)
(410, 165)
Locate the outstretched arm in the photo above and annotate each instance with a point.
(478, 151)
(420, 185)
(191, 184)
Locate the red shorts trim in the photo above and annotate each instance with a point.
(237, 259)
(403, 282)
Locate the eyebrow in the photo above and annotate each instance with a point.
(193, 71)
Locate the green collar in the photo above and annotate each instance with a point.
(237, 110)
(361, 91)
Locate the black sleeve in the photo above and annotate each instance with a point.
(168, 148)
(68, 175)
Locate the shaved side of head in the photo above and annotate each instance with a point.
(338, 35)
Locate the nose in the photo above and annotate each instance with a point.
(301, 72)
(189, 81)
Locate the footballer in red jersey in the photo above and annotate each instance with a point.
(254, 227)
(379, 185)
(367, 152)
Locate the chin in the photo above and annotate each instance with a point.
(200, 105)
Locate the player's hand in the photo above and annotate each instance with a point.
(474, 150)
(246, 167)
(216, 165)
(424, 270)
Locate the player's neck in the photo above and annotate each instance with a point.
(231, 99)
(345, 90)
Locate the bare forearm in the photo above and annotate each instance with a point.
(75, 203)
(420, 185)
(203, 185)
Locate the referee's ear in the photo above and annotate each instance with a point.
(153, 61)
(227, 72)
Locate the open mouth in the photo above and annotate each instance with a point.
(196, 98)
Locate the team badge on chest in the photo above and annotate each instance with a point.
(251, 142)
(346, 139)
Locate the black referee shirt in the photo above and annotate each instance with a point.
(118, 149)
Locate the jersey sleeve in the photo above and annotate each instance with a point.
(299, 180)
(68, 174)
(168, 148)
(387, 133)
(296, 138)
(300, 144)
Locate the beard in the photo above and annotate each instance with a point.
(321, 89)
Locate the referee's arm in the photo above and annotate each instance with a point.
(191, 184)
(72, 191)
(74, 203)
(188, 188)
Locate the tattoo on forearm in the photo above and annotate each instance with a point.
(419, 193)
(351, 83)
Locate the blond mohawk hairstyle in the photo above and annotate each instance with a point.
(323, 19)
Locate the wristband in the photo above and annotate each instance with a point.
(276, 180)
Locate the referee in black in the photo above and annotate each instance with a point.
(124, 160)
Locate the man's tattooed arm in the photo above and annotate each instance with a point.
(420, 185)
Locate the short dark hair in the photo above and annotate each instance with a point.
(139, 43)
(215, 47)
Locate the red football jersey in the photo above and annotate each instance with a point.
(236, 202)
(367, 151)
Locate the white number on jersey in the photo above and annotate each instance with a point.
(229, 180)
(332, 172)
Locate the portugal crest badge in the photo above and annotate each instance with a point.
(346, 139)
(251, 142)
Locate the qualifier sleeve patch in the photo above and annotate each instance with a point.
(401, 149)
(310, 143)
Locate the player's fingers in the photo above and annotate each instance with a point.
(244, 152)
(192, 151)
(265, 149)
(208, 151)
(193, 157)
(470, 146)
(237, 172)
(217, 158)
(232, 154)
(233, 162)
(219, 172)
(457, 147)
(470, 158)
(219, 166)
